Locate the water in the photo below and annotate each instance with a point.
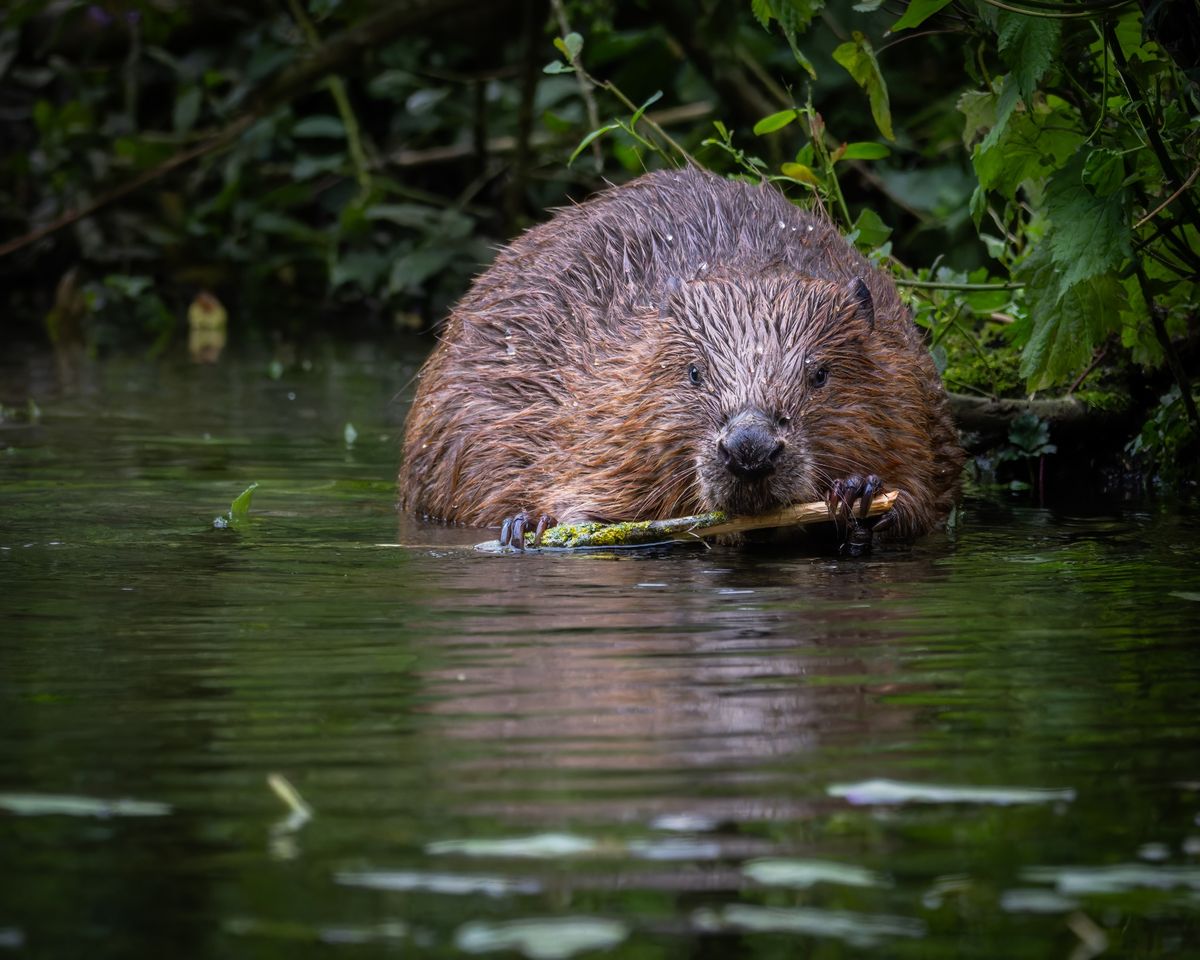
(986, 746)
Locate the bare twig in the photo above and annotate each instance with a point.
(1171, 199)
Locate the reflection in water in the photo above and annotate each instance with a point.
(988, 745)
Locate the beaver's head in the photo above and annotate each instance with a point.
(774, 385)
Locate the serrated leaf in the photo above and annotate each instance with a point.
(1090, 233)
(776, 121)
(1064, 323)
(917, 13)
(1104, 172)
(1033, 144)
(762, 12)
(1028, 45)
(858, 58)
(1006, 103)
(978, 108)
(866, 150)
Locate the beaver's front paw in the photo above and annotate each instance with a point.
(840, 501)
(512, 531)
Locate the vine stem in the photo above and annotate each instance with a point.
(1186, 185)
(1168, 348)
(1152, 135)
(939, 285)
(1055, 12)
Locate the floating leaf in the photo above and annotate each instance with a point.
(48, 804)
(552, 938)
(538, 846)
(240, 508)
(807, 873)
(1115, 878)
(870, 792)
(445, 883)
(858, 929)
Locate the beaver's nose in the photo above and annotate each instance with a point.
(749, 449)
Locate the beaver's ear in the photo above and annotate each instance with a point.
(668, 298)
(861, 296)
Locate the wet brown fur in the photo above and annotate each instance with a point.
(561, 383)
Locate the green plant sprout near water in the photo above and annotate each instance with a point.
(1029, 440)
(238, 510)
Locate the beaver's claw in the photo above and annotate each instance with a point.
(840, 501)
(512, 531)
(844, 492)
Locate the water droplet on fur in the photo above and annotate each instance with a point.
(810, 229)
(782, 225)
(511, 350)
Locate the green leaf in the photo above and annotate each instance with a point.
(583, 144)
(187, 109)
(410, 271)
(978, 108)
(1028, 45)
(569, 46)
(858, 58)
(1006, 103)
(320, 125)
(557, 66)
(637, 115)
(1090, 234)
(776, 121)
(872, 231)
(802, 172)
(1033, 144)
(1104, 172)
(762, 12)
(866, 150)
(240, 508)
(1063, 324)
(917, 13)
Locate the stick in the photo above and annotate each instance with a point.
(573, 536)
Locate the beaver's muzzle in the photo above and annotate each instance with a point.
(748, 447)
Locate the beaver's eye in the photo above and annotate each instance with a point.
(782, 420)
(819, 377)
(694, 374)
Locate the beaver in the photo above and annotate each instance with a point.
(679, 344)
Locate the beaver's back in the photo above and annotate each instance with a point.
(581, 276)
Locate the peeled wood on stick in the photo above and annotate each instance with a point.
(573, 536)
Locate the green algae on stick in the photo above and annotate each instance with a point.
(591, 535)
